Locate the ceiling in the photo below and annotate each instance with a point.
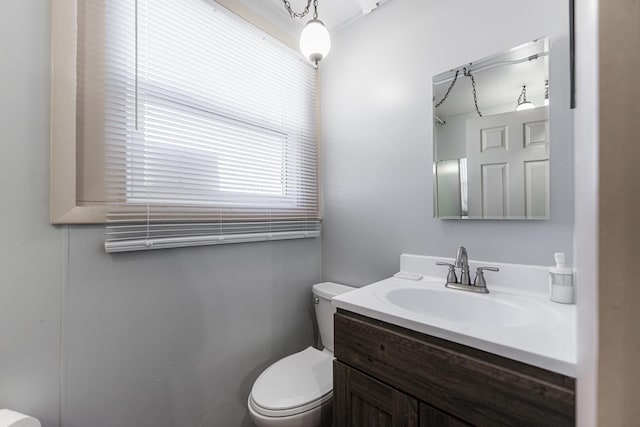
(334, 13)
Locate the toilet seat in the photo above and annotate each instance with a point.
(293, 385)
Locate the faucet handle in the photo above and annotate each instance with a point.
(451, 276)
(479, 280)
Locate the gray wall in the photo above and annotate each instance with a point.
(165, 338)
(30, 249)
(177, 337)
(377, 132)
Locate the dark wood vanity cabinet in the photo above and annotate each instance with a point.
(385, 375)
(366, 402)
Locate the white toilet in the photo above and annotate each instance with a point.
(297, 391)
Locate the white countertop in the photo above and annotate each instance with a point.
(546, 338)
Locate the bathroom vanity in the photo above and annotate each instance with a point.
(388, 375)
(502, 359)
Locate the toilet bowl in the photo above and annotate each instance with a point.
(297, 391)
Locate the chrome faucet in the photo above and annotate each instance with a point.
(462, 262)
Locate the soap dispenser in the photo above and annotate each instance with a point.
(561, 281)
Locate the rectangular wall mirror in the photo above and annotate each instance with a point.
(491, 136)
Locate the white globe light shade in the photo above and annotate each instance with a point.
(315, 42)
(526, 105)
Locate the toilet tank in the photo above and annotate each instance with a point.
(323, 293)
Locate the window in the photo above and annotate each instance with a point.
(208, 122)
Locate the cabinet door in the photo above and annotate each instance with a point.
(361, 401)
(432, 417)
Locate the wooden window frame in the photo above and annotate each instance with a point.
(73, 166)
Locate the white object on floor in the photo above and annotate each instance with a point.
(9, 418)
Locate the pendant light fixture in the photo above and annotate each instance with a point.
(315, 42)
(523, 104)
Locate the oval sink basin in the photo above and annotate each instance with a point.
(468, 308)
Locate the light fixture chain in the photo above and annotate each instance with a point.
(304, 13)
(446, 95)
(523, 95)
(467, 73)
(546, 89)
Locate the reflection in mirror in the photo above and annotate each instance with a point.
(491, 136)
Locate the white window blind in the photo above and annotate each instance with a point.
(208, 122)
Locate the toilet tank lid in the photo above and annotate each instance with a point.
(329, 290)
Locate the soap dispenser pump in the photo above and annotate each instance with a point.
(561, 281)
